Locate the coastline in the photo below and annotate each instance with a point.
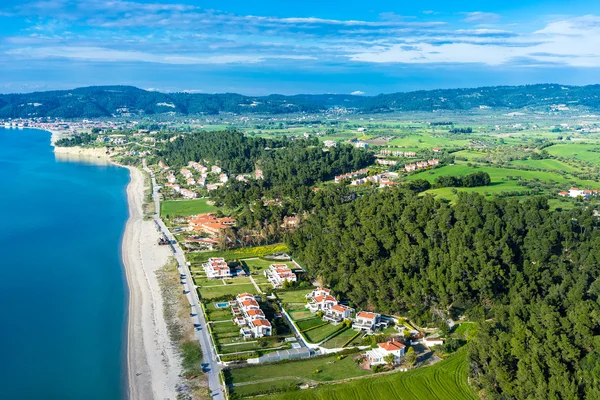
(153, 363)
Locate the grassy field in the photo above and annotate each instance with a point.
(322, 333)
(499, 177)
(295, 296)
(212, 292)
(339, 340)
(444, 380)
(580, 151)
(259, 265)
(238, 254)
(330, 369)
(546, 164)
(185, 207)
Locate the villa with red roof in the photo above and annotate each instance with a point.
(366, 321)
(278, 274)
(377, 356)
(250, 317)
(217, 268)
(320, 300)
(338, 313)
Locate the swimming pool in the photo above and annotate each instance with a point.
(221, 305)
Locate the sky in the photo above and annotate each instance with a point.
(290, 46)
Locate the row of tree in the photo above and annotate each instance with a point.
(472, 180)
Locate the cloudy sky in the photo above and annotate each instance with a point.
(308, 46)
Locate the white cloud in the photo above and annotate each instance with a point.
(358, 93)
(110, 55)
(480, 17)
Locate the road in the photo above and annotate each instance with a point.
(208, 352)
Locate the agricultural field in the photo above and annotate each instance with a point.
(444, 380)
(185, 208)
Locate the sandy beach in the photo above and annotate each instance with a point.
(152, 360)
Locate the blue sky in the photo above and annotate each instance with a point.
(291, 47)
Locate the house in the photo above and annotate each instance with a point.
(241, 178)
(391, 163)
(366, 321)
(361, 145)
(259, 327)
(223, 178)
(290, 222)
(338, 313)
(171, 178)
(186, 173)
(330, 143)
(209, 223)
(252, 317)
(188, 194)
(213, 186)
(190, 181)
(278, 274)
(563, 194)
(385, 152)
(320, 300)
(258, 174)
(410, 167)
(215, 170)
(410, 154)
(216, 268)
(436, 149)
(378, 355)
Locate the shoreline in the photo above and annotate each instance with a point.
(153, 362)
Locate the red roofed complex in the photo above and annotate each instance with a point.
(278, 274)
(217, 268)
(377, 356)
(209, 223)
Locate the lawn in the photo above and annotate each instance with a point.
(257, 388)
(309, 323)
(580, 151)
(293, 296)
(339, 340)
(322, 333)
(300, 313)
(331, 369)
(259, 265)
(185, 207)
(444, 380)
(232, 290)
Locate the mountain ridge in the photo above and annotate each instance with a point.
(115, 100)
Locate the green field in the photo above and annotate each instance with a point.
(331, 369)
(579, 151)
(499, 177)
(545, 164)
(238, 254)
(259, 265)
(212, 292)
(295, 296)
(444, 380)
(185, 207)
(321, 333)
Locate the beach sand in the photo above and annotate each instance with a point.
(153, 363)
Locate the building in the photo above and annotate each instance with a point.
(433, 341)
(330, 143)
(338, 313)
(258, 174)
(186, 173)
(249, 316)
(216, 268)
(188, 194)
(378, 355)
(437, 150)
(190, 181)
(410, 154)
(390, 163)
(213, 186)
(223, 178)
(366, 321)
(361, 145)
(215, 169)
(278, 274)
(320, 300)
(209, 223)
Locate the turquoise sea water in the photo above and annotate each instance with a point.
(62, 289)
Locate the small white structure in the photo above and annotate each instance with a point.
(320, 300)
(330, 143)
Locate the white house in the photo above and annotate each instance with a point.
(320, 300)
(278, 274)
(338, 313)
(330, 143)
(223, 178)
(433, 341)
(217, 268)
(253, 323)
(215, 169)
(377, 356)
(366, 321)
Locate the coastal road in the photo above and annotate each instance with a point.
(208, 351)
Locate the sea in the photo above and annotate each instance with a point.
(63, 293)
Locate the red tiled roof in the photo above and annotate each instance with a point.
(391, 345)
(366, 315)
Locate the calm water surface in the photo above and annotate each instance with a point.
(62, 289)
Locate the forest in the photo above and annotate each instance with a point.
(109, 101)
(528, 275)
(470, 180)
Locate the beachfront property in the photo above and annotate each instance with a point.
(366, 321)
(377, 356)
(250, 318)
(320, 299)
(277, 274)
(216, 268)
(209, 223)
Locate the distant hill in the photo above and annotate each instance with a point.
(106, 101)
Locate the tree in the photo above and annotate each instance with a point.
(390, 359)
(411, 357)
